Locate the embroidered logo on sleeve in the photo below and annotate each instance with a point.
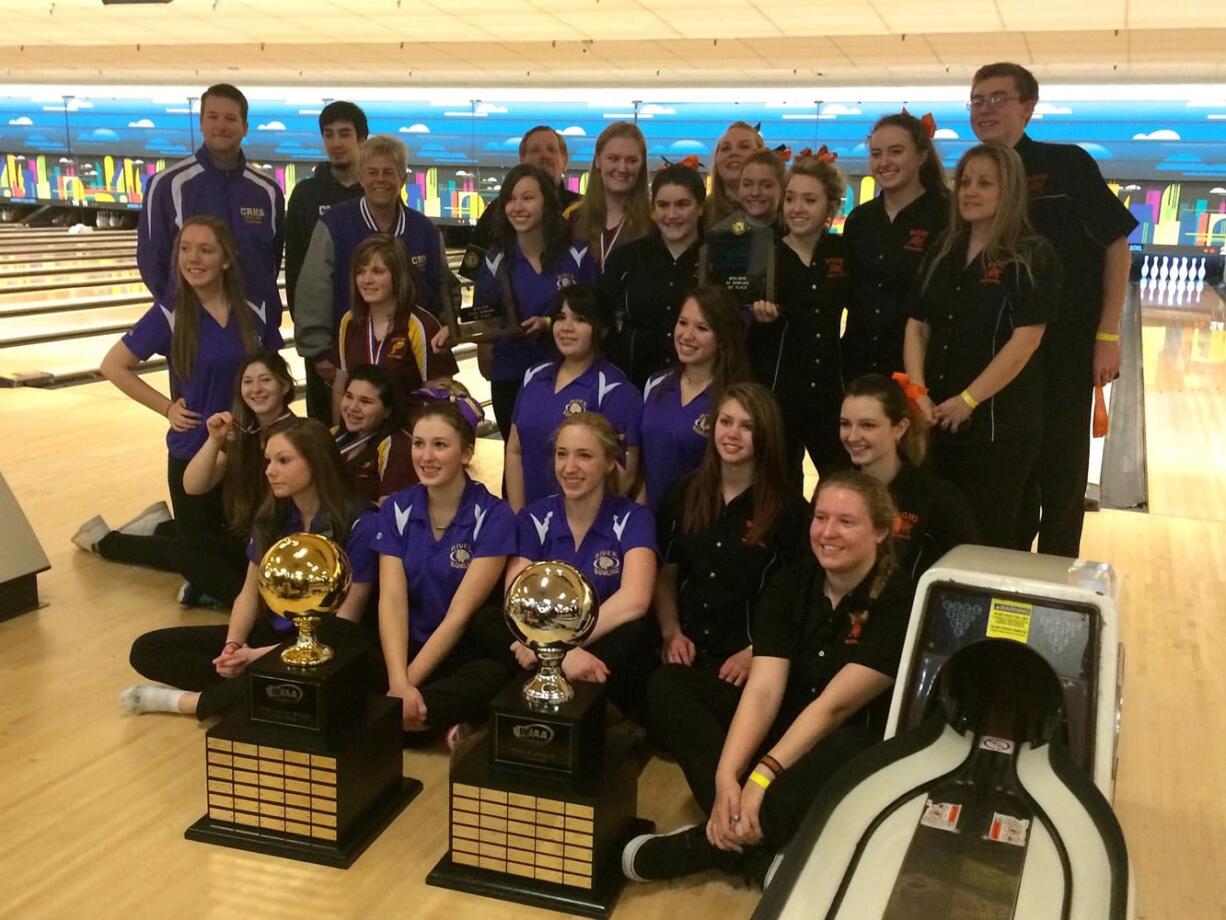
(402, 517)
(619, 525)
(542, 526)
(604, 388)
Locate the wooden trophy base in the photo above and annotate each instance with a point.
(302, 794)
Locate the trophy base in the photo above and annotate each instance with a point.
(595, 902)
(305, 794)
(339, 854)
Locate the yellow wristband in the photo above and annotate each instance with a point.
(760, 780)
(1106, 337)
(969, 399)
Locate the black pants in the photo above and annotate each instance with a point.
(1054, 502)
(502, 395)
(691, 709)
(182, 656)
(318, 394)
(628, 652)
(460, 689)
(214, 563)
(993, 478)
(819, 435)
(194, 514)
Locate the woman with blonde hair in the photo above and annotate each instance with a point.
(615, 210)
(986, 295)
(734, 147)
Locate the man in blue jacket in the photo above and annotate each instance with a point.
(217, 180)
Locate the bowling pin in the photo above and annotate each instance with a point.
(1164, 269)
(1200, 272)
(1145, 268)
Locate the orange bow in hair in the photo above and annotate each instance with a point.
(824, 155)
(806, 152)
(689, 162)
(913, 391)
(784, 152)
(929, 123)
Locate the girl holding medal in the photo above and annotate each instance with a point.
(709, 348)
(443, 546)
(232, 457)
(307, 491)
(385, 327)
(615, 210)
(827, 636)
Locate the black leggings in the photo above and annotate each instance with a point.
(182, 656)
(502, 395)
(214, 563)
(194, 514)
(993, 478)
(690, 711)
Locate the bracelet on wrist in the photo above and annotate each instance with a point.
(766, 760)
(233, 642)
(760, 779)
(1106, 337)
(969, 399)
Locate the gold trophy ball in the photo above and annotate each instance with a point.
(304, 577)
(551, 608)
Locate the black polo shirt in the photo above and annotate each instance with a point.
(796, 621)
(885, 256)
(643, 288)
(971, 311)
(933, 517)
(1071, 205)
(721, 576)
(797, 355)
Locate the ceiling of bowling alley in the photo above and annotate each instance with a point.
(606, 42)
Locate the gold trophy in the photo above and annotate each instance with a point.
(304, 577)
(551, 608)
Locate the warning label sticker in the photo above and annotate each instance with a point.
(1009, 620)
(941, 815)
(999, 745)
(1008, 829)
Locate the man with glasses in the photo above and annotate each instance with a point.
(1088, 226)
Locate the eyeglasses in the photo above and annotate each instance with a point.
(994, 101)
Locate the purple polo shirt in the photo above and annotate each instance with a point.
(359, 547)
(483, 526)
(674, 436)
(220, 351)
(533, 293)
(621, 525)
(539, 410)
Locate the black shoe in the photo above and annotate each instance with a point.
(651, 857)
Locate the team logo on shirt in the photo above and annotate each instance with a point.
(1036, 183)
(917, 240)
(702, 425)
(607, 562)
(857, 620)
(574, 407)
(904, 523)
(461, 554)
(419, 261)
(397, 349)
(565, 280)
(253, 215)
(324, 209)
(739, 226)
(992, 273)
(836, 267)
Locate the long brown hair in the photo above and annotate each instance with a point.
(703, 495)
(723, 314)
(881, 514)
(243, 485)
(719, 203)
(592, 213)
(314, 444)
(1011, 238)
(185, 337)
(932, 170)
(391, 251)
(554, 231)
(894, 403)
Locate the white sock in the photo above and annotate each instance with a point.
(148, 698)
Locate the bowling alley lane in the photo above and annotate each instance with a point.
(64, 279)
(38, 261)
(68, 297)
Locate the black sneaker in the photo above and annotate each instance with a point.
(652, 857)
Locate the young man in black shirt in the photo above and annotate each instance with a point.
(1088, 226)
(344, 128)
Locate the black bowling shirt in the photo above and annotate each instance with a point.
(795, 620)
(971, 311)
(933, 517)
(643, 288)
(720, 576)
(1071, 205)
(797, 355)
(885, 256)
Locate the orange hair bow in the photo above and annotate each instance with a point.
(825, 155)
(913, 391)
(929, 123)
(689, 162)
(806, 152)
(784, 152)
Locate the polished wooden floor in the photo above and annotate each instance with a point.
(93, 804)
